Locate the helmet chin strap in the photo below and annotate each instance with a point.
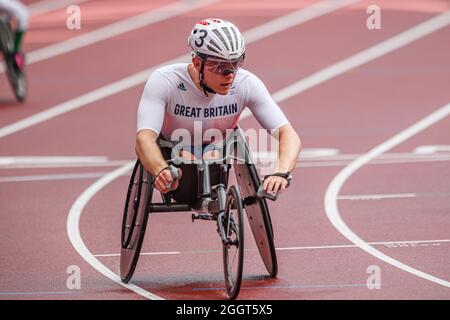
(205, 88)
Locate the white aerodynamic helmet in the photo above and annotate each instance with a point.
(217, 38)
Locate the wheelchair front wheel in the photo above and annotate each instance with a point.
(233, 248)
(134, 221)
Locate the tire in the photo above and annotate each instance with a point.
(135, 217)
(6, 37)
(19, 83)
(16, 78)
(258, 215)
(15, 75)
(264, 237)
(233, 223)
(256, 209)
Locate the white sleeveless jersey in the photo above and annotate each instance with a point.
(171, 101)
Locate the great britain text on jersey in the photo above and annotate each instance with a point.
(209, 112)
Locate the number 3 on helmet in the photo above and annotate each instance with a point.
(217, 38)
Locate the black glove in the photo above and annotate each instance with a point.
(263, 194)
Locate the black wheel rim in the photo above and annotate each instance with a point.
(131, 205)
(233, 252)
(133, 236)
(257, 213)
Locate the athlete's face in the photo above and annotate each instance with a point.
(219, 82)
(216, 76)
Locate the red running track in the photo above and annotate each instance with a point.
(352, 112)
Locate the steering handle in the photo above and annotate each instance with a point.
(261, 193)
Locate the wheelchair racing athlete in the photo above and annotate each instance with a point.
(212, 91)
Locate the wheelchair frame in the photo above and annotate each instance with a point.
(213, 203)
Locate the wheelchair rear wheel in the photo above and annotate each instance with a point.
(134, 220)
(233, 250)
(258, 215)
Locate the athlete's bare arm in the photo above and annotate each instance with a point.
(152, 159)
(289, 150)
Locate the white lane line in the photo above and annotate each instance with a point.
(38, 293)
(45, 6)
(109, 163)
(318, 164)
(307, 160)
(438, 22)
(77, 208)
(300, 16)
(73, 231)
(53, 177)
(143, 254)
(13, 162)
(377, 196)
(332, 193)
(265, 160)
(257, 33)
(40, 160)
(400, 156)
(432, 149)
(306, 155)
(372, 53)
(391, 196)
(390, 244)
(117, 28)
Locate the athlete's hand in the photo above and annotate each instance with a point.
(274, 184)
(164, 181)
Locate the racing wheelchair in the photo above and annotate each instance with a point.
(16, 76)
(213, 200)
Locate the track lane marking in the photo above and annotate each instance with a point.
(45, 6)
(73, 231)
(391, 196)
(18, 293)
(389, 244)
(52, 160)
(292, 286)
(377, 196)
(332, 193)
(304, 161)
(53, 177)
(396, 42)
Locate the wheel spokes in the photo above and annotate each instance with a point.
(233, 254)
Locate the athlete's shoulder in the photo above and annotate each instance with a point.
(246, 82)
(243, 74)
(246, 76)
(171, 70)
(166, 78)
